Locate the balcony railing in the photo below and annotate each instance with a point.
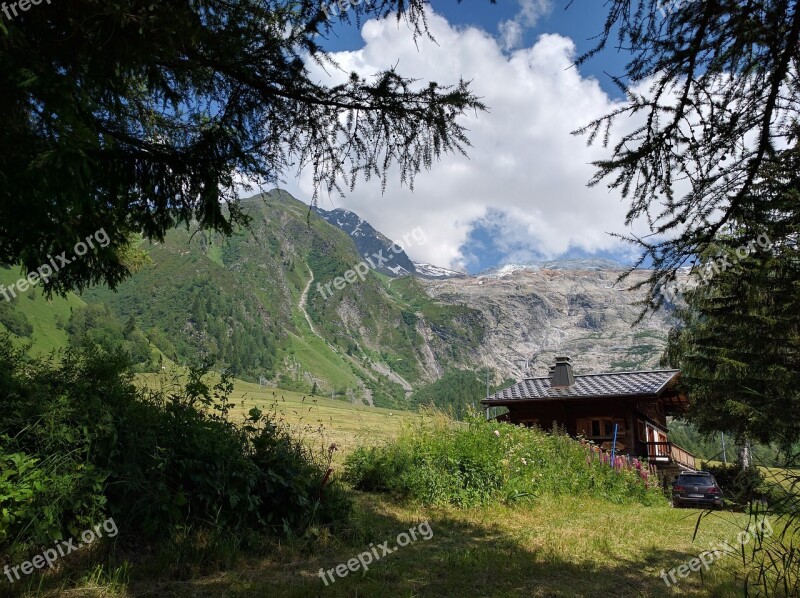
(666, 452)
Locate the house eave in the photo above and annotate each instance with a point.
(667, 382)
(558, 399)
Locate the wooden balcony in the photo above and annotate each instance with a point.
(666, 453)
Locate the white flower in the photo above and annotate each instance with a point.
(524, 462)
(497, 433)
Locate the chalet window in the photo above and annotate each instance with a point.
(603, 427)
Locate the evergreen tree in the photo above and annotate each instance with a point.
(130, 327)
(138, 116)
(738, 344)
(456, 392)
(712, 86)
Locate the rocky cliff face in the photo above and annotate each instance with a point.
(535, 314)
(527, 312)
(265, 302)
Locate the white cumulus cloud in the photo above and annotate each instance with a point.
(510, 34)
(530, 11)
(525, 177)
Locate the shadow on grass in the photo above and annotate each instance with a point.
(461, 559)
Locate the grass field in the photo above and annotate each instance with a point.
(41, 313)
(563, 546)
(319, 420)
(557, 547)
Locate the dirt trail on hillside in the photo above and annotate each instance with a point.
(302, 305)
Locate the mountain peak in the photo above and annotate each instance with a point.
(589, 264)
(430, 271)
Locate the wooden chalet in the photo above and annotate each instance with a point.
(590, 405)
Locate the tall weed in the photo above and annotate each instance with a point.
(438, 462)
(79, 442)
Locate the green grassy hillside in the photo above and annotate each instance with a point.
(249, 301)
(45, 318)
(256, 304)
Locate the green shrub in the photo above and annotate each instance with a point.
(15, 321)
(97, 325)
(741, 486)
(439, 463)
(80, 442)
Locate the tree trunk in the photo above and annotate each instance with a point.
(745, 461)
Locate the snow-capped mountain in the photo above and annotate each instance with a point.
(430, 271)
(370, 241)
(592, 264)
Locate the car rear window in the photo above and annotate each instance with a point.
(697, 480)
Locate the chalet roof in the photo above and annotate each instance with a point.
(649, 383)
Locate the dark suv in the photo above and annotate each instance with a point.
(697, 489)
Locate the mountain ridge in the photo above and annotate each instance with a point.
(248, 301)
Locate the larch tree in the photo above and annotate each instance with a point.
(135, 117)
(711, 165)
(737, 342)
(714, 86)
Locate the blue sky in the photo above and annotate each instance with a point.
(582, 21)
(521, 195)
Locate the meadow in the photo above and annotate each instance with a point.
(549, 546)
(555, 547)
(319, 420)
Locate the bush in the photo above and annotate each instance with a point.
(741, 486)
(80, 442)
(15, 321)
(441, 463)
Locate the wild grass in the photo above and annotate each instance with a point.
(555, 547)
(488, 462)
(556, 544)
(317, 420)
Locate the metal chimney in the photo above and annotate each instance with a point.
(562, 373)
